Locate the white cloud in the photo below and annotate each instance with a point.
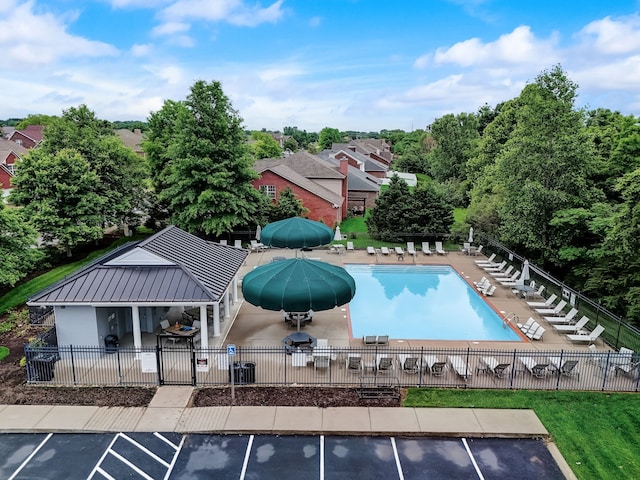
(517, 47)
(315, 22)
(29, 39)
(139, 50)
(170, 28)
(612, 37)
(234, 12)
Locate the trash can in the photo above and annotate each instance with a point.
(111, 343)
(42, 366)
(243, 373)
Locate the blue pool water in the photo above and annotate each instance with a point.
(421, 302)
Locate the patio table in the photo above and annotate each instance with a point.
(182, 330)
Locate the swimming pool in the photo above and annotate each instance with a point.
(421, 302)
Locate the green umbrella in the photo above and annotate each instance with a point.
(296, 232)
(298, 285)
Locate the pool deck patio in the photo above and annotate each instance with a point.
(253, 326)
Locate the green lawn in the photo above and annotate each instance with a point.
(597, 433)
(18, 296)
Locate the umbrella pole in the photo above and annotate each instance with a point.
(298, 322)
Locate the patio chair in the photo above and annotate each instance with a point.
(399, 253)
(568, 369)
(491, 365)
(538, 293)
(197, 339)
(493, 268)
(384, 250)
(626, 364)
(350, 247)
(439, 249)
(384, 363)
(552, 311)
(322, 342)
(563, 319)
(411, 249)
(237, 243)
(589, 337)
(482, 283)
(321, 361)
(575, 328)
(164, 324)
(535, 334)
(466, 246)
(223, 242)
(489, 291)
(354, 363)
(477, 251)
(408, 363)
(547, 303)
(196, 324)
(524, 327)
(504, 273)
(382, 340)
(369, 339)
(371, 250)
(488, 261)
(536, 367)
(256, 246)
(460, 367)
(425, 248)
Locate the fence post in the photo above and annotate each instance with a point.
(559, 370)
(73, 364)
(513, 368)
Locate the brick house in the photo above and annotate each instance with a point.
(9, 153)
(29, 137)
(321, 187)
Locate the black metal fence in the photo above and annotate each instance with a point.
(329, 366)
(618, 333)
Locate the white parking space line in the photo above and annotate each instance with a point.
(175, 456)
(321, 457)
(246, 458)
(167, 441)
(132, 466)
(147, 451)
(397, 457)
(473, 460)
(24, 464)
(97, 468)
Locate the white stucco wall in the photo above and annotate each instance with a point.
(76, 326)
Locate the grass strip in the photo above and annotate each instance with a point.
(597, 433)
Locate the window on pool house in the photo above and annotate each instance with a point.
(270, 190)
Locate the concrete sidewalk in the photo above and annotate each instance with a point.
(169, 412)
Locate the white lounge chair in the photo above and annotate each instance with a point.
(511, 281)
(350, 246)
(370, 340)
(536, 367)
(237, 243)
(384, 250)
(384, 363)
(466, 247)
(524, 327)
(487, 261)
(425, 248)
(575, 328)
(399, 252)
(491, 365)
(460, 367)
(552, 311)
(481, 283)
(371, 250)
(547, 303)
(504, 273)
(409, 363)
(563, 319)
(439, 249)
(588, 337)
(489, 291)
(256, 246)
(499, 268)
(436, 367)
(411, 249)
(354, 363)
(535, 334)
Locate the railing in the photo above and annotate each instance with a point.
(423, 367)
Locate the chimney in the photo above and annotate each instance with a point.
(344, 169)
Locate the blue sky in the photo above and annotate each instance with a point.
(360, 65)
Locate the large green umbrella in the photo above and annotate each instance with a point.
(296, 232)
(298, 285)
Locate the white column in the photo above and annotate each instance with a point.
(204, 328)
(216, 319)
(137, 336)
(234, 289)
(227, 308)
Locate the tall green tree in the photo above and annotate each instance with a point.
(17, 241)
(121, 173)
(287, 206)
(207, 187)
(328, 136)
(59, 195)
(265, 146)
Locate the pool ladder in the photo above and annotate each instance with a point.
(511, 317)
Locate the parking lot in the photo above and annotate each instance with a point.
(198, 456)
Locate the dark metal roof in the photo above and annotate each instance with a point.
(200, 271)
